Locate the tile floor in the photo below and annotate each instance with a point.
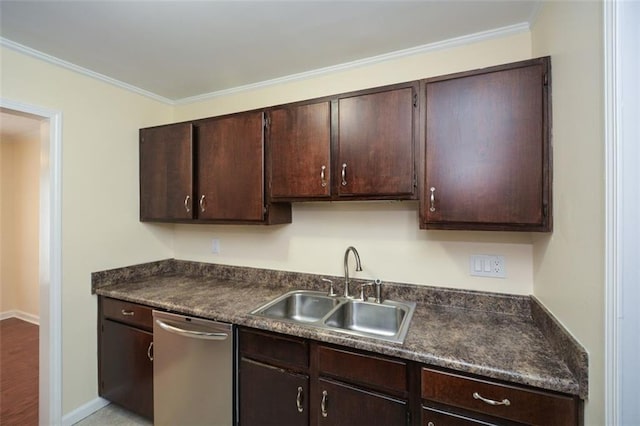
(113, 415)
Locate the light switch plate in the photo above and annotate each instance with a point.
(485, 265)
(215, 246)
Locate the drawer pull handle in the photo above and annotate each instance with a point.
(299, 400)
(149, 349)
(203, 204)
(323, 404)
(323, 181)
(127, 313)
(187, 204)
(504, 402)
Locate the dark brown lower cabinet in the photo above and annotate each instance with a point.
(272, 396)
(125, 355)
(287, 380)
(463, 400)
(126, 369)
(342, 404)
(273, 374)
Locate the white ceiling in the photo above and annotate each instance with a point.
(181, 49)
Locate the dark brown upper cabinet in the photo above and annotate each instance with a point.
(209, 171)
(166, 173)
(374, 137)
(488, 152)
(352, 146)
(300, 150)
(230, 168)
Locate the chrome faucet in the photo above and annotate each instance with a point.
(346, 267)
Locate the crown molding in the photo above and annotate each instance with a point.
(81, 70)
(431, 47)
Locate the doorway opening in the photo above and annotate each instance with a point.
(33, 213)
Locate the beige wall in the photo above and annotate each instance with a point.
(569, 264)
(100, 227)
(386, 234)
(19, 178)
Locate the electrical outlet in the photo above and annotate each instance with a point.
(483, 265)
(215, 246)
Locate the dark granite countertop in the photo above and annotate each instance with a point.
(505, 337)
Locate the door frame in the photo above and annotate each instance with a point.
(622, 208)
(50, 262)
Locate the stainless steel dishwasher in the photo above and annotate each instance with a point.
(192, 371)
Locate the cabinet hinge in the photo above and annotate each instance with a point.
(267, 122)
(265, 209)
(545, 210)
(408, 418)
(546, 78)
(415, 100)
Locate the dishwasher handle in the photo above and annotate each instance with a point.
(191, 333)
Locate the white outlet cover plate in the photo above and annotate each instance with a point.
(486, 265)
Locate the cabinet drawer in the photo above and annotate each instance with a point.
(128, 313)
(272, 348)
(434, 417)
(524, 405)
(370, 370)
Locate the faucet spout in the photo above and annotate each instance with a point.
(353, 250)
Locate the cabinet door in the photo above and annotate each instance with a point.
(341, 404)
(376, 144)
(231, 168)
(272, 396)
(299, 144)
(166, 173)
(126, 371)
(487, 159)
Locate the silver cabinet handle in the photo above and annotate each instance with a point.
(149, 349)
(344, 174)
(505, 401)
(323, 404)
(203, 204)
(431, 424)
(323, 181)
(299, 400)
(432, 208)
(187, 205)
(192, 333)
(127, 313)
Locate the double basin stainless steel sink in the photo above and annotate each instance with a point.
(387, 321)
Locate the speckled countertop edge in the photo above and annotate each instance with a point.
(500, 336)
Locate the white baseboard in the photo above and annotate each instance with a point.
(33, 319)
(84, 411)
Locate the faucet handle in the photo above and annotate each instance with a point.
(362, 287)
(331, 291)
(378, 284)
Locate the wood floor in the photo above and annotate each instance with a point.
(18, 373)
